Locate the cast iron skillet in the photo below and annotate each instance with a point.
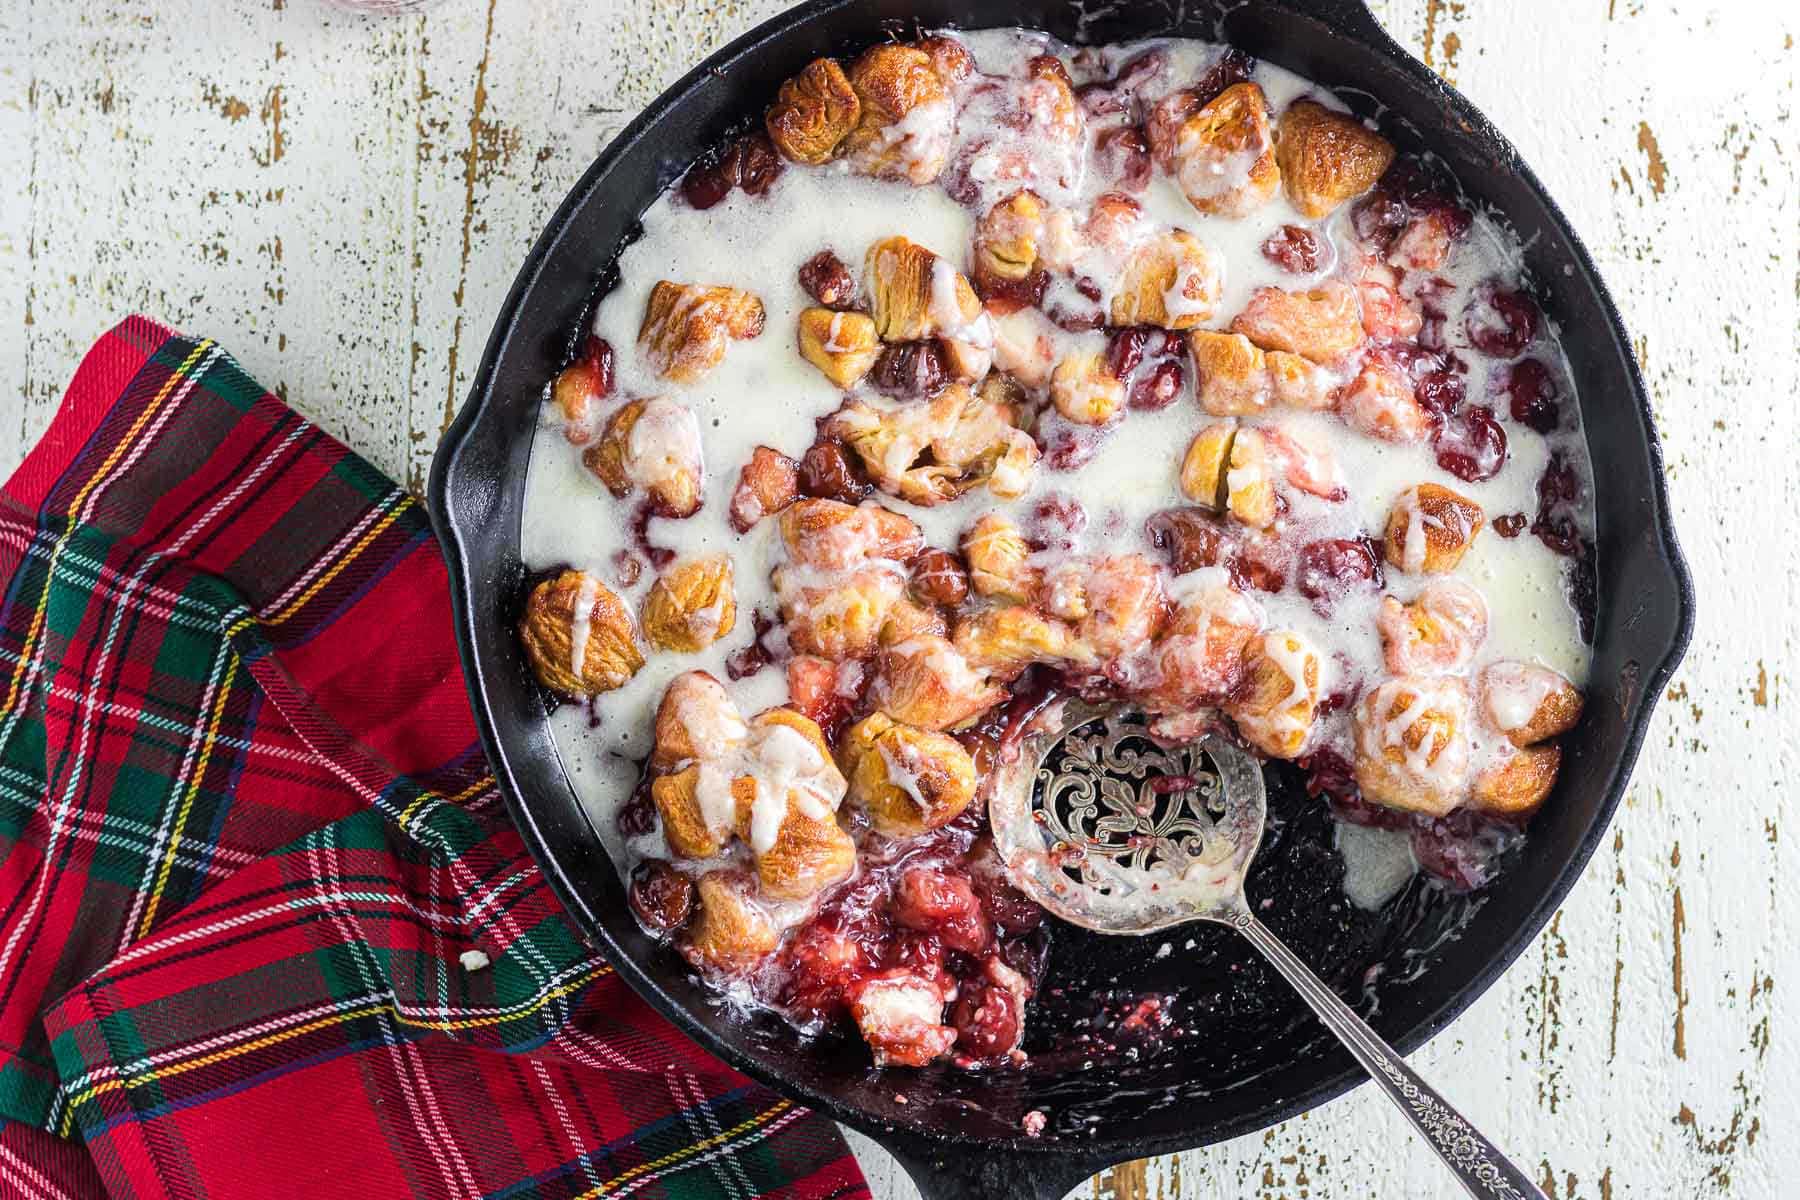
(1239, 1052)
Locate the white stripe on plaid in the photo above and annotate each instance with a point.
(27, 920)
(395, 500)
(223, 653)
(32, 1183)
(730, 1146)
(93, 575)
(548, 1083)
(704, 1122)
(410, 1073)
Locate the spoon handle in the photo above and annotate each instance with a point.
(1483, 1171)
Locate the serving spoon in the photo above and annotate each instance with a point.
(1109, 830)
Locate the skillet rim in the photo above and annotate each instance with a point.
(1345, 18)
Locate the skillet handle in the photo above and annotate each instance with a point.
(962, 1173)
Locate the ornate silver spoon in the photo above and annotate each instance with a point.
(1110, 831)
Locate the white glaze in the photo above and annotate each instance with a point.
(765, 393)
(582, 624)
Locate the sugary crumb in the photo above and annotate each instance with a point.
(1033, 1123)
(474, 960)
(1164, 950)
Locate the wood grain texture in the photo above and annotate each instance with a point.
(342, 201)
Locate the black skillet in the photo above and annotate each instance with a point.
(1239, 1053)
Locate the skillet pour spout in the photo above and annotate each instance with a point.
(1244, 1054)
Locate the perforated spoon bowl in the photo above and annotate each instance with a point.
(1111, 831)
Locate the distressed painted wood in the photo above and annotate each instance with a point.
(342, 201)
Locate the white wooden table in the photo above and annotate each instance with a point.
(343, 201)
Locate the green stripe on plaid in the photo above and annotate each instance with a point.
(221, 893)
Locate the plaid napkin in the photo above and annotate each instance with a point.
(265, 929)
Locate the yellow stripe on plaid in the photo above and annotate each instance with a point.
(193, 789)
(157, 1074)
(676, 1156)
(323, 580)
(26, 650)
(425, 797)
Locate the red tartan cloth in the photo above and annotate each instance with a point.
(265, 929)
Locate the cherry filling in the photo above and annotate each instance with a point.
(1458, 850)
(1190, 538)
(1232, 67)
(637, 816)
(597, 357)
(1531, 394)
(1123, 156)
(928, 925)
(827, 473)
(748, 660)
(1149, 361)
(918, 919)
(911, 370)
(1296, 249)
(1558, 490)
(661, 896)
(1005, 296)
(1471, 445)
(816, 687)
(657, 556)
(943, 904)
(1559, 494)
(827, 280)
(1056, 522)
(1117, 100)
(1501, 321)
(1331, 568)
(749, 162)
(1263, 562)
(1410, 191)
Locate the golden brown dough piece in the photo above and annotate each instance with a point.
(653, 444)
(813, 113)
(731, 933)
(908, 780)
(1438, 633)
(769, 482)
(1517, 785)
(1205, 465)
(1172, 280)
(687, 327)
(904, 128)
(1429, 529)
(842, 345)
(790, 816)
(1231, 374)
(1327, 157)
(1002, 642)
(691, 605)
(1224, 155)
(1323, 323)
(578, 636)
(1412, 744)
(843, 576)
(1529, 703)
(997, 554)
(1275, 707)
(913, 293)
(926, 681)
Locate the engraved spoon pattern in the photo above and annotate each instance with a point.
(1110, 831)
